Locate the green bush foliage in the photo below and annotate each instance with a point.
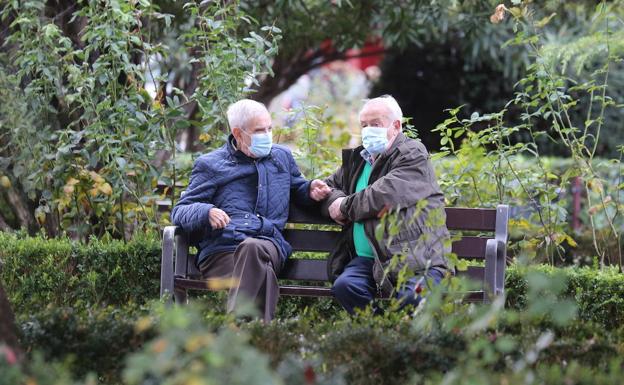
(39, 272)
(599, 294)
(93, 329)
(95, 340)
(440, 344)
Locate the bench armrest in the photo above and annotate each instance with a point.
(494, 269)
(174, 262)
(502, 236)
(167, 262)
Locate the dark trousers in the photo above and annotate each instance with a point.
(254, 266)
(355, 288)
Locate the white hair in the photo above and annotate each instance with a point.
(241, 112)
(391, 103)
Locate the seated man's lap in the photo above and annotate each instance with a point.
(221, 265)
(355, 287)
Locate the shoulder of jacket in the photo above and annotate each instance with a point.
(281, 149)
(413, 147)
(282, 152)
(208, 160)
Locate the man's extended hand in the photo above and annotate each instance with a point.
(335, 213)
(319, 190)
(218, 218)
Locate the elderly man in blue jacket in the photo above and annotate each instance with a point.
(238, 198)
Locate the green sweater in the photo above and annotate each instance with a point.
(362, 245)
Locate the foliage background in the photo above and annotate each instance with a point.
(104, 99)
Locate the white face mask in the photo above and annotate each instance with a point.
(261, 143)
(375, 139)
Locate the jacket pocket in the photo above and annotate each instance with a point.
(382, 278)
(340, 255)
(408, 233)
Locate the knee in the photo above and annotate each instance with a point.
(248, 244)
(342, 287)
(250, 247)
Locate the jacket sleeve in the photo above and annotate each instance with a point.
(191, 211)
(334, 181)
(299, 186)
(407, 183)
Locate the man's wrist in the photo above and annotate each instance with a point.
(343, 207)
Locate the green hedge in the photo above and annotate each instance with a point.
(598, 294)
(96, 340)
(39, 272)
(368, 350)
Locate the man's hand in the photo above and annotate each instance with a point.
(319, 190)
(335, 213)
(218, 218)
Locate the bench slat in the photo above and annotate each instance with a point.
(475, 273)
(316, 270)
(470, 247)
(458, 218)
(305, 291)
(311, 240)
(324, 241)
(318, 291)
(298, 215)
(305, 270)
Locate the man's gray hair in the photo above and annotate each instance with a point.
(395, 110)
(239, 113)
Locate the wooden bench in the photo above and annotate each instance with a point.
(179, 273)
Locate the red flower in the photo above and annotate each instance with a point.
(310, 376)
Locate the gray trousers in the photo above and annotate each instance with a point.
(254, 265)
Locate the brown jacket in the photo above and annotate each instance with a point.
(402, 181)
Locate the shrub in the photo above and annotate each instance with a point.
(392, 348)
(96, 340)
(598, 294)
(38, 272)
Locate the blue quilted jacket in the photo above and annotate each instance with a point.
(255, 193)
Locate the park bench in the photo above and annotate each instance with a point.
(308, 277)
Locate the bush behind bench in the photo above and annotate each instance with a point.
(39, 272)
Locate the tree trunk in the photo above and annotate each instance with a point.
(20, 208)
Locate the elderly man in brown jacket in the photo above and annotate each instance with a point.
(389, 173)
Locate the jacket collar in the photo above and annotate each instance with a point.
(235, 152)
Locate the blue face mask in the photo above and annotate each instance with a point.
(261, 144)
(375, 139)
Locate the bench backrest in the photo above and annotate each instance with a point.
(492, 222)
